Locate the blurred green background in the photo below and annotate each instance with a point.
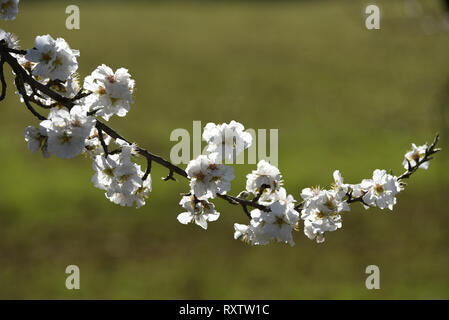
(342, 98)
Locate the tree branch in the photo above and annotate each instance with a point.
(23, 77)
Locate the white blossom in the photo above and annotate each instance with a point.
(356, 191)
(317, 223)
(55, 60)
(138, 198)
(242, 232)
(70, 88)
(33, 138)
(322, 210)
(36, 139)
(251, 234)
(111, 91)
(208, 178)
(143, 192)
(126, 179)
(311, 232)
(227, 140)
(415, 155)
(9, 9)
(381, 190)
(198, 211)
(309, 194)
(265, 227)
(266, 174)
(11, 40)
(104, 170)
(122, 179)
(339, 186)
(281, 195)
(67, 131)
(127, 149)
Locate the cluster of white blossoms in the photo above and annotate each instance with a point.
(53, 58)
(54, 64)
(9, 9)
(111, 91)
(276, 224)
(266, 227)
(71, 128)
(63, 134)
(69, 132)
(225, 140)
(323, 209)
(121, 178)
(208, 176)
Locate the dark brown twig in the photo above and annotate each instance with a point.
(102, 142)
(148, 171)
(21, 87)
(2, 79)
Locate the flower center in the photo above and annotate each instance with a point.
(76, 123)
(330, 204)
(65, 138)
(199, 176)
(114, 100)
(379, 188)
(319, 215)
(101, 91)
(46, 57)
(111, 78)
(108, 172)
(58, 61)
(415, 157)
(279, 221)
(124, 178)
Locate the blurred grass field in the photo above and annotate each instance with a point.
(342, 98)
